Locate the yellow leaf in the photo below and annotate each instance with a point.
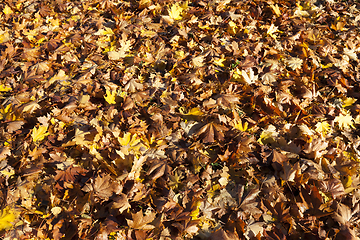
(323, 128)
(276, 9)
(344, 121)
(4, 36)
(7, 217)
(195, 213)
(40, 133)
(7, 172)
(347, 102)
(175, 11)
(7, 10)
(61, 76)
(220, 62)
(195, 112)
(4, 88)
(232, 27)
(105, 32)
(268, 135)
(110, 96)
(238, 125)
(272, 29)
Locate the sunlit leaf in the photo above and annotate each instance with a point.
(345, 121)
(39, 133)
(110, 96)
(323, 128)
(7, 218)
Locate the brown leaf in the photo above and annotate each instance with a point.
(158, 169)
(102, 187)
(120, 203)
(139, 221)
(14, 126)
(247, 201)
(333, 186)
(70, 174)
(211, 132)
(227, 100)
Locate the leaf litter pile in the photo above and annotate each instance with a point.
(179, 120)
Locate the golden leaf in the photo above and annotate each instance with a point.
(4, 36)
(323, 128)
(7, 10)
(4, 88)
(175, 11)
(239, 125)
(6, 218)
(110, 97)
(40, 133)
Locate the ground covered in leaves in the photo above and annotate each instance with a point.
(219, 119)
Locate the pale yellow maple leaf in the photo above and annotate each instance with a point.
(110, 96)
(294, 63)
(7, 217)
(323, 128)
(105, 32)
(268, 135)
(249, 77)
(129, 143)
(272, 30)
(7, 10)
(344, 121)
(232, 27)
(175, 11)
(40, 133)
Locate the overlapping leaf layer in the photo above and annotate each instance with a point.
(219, 119)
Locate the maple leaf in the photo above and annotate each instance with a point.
(130, 143)
(101, 187)
(7, 10)
(110, 97)
(158, 169)
(40, 133)
(271, 30)
(139, 221)
(4, 36)
(323, 128)
(211, 131)
(249, 77)
(7, 218)
(239, 125)
(68, 177)
(344, 121)
(247, 199)
(227, 100)
(344, 214)
(276, 9)
(334, 186)
(268, 135)
(175, 11)
(294, 63)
